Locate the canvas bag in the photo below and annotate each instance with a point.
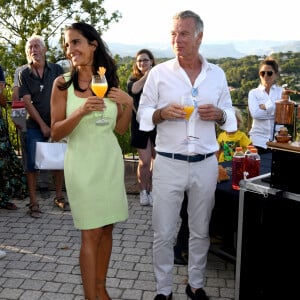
(50, 155)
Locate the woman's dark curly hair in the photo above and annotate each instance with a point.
(102, 57)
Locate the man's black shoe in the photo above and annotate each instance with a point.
(198, 295)
(163, 297)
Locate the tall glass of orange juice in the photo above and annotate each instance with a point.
(189, 110)
(188, 106)
(99, 88)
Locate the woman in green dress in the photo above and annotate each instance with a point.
(94, 166)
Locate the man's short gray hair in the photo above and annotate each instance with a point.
(190, 14)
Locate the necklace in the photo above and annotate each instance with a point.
(38, 73)
(41, 78)
(86, 84)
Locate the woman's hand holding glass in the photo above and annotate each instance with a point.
(99, 87)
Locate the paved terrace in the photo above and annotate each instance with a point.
(42, 257)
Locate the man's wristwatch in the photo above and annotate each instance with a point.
(223, 120)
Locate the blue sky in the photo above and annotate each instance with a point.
(224, 20)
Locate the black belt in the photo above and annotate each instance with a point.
(188, 158)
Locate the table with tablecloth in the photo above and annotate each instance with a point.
(224, 221)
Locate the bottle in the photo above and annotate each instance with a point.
(238, 167)
(249, 147)
(253, 164)
(247, 153)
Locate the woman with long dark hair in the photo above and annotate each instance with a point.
(94, 167)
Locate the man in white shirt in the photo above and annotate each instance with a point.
(186, 149)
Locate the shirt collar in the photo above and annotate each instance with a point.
(263, 88)
(205, 64)
(45, 67)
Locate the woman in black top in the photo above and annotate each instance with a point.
(143, 141)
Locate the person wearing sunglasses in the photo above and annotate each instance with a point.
(261, 104)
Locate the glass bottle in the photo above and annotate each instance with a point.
(238, 167)
(253, 164)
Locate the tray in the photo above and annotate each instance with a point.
(283, 146)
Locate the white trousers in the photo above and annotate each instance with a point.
(170, 179)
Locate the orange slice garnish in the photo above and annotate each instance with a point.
(101, 71)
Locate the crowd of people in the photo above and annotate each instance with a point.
(178, 164)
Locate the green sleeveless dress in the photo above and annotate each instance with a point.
(94, 169)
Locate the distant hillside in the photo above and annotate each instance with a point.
(234, 49)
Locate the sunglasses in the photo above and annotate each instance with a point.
(263, 73)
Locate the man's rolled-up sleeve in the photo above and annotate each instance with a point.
(144, 117)
(230, 125)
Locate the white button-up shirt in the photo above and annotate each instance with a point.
(165, 84)
(262, 129)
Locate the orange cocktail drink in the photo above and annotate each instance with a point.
(99, 89)
(189, 110)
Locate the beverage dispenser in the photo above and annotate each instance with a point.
(287, 112)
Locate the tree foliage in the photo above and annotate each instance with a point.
(20, 19)
(242, 74)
